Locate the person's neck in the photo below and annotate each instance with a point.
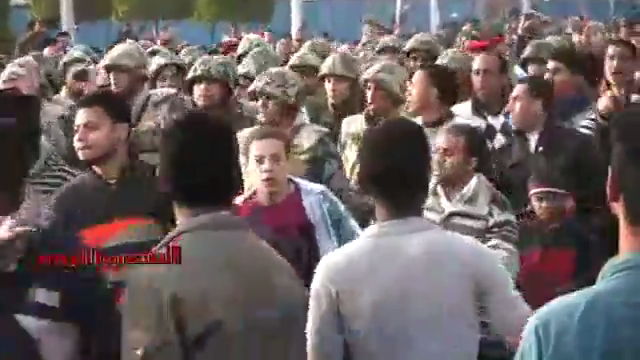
(267, 198)
(451, 189)
(110, 170)
(628, 238)
(432, 114)
(184, 213)
(492, 105)
(386, 213)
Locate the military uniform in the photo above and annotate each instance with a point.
(190, 54)
(249, 43)
(315, 104)
(319, 47)
(223, 69)
(162, 61)
(424, 47)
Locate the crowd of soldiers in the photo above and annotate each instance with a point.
(516, 118)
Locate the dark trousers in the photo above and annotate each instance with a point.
(15, 341)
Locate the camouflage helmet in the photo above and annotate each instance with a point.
(423, 42)
(456, 60)
(165, 59)
(537, 49)
(389, 75)
(559, 41)
(127, 55)
(320, 47)
(248, 43)
(190, 54)
(11, 73)
(257, 62)
(73, 57)
(157, 49)
(304, 59)
(145, 44)
(87, 50)
(213, 67)
(340, 64)
(388, 42)
(280, 84)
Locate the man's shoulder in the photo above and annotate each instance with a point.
(565, 312)
(353, 123)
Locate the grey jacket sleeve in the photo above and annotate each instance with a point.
(507, 310)
(325, 335)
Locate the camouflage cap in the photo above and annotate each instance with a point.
(221, 68)
(145, 44)
(423, 42)
(87, 50)
(168, 104)
(340, 64)
(305, 59)
(248, 43)
(320, 47)
(164, 59)
(388, 42)
(280, 84)
(11, 73)
(127, 55)
(541, 49)
(281, 48)
(389, 75)
(456, 60)
(190, 54)
(74, 56)
(258, 61)
(157, 49)
(560, 41)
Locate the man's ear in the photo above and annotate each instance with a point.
(613, 190)
(123, 131)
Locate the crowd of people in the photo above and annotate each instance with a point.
(438, 196)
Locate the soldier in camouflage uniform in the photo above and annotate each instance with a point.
(339, 73)
(248, 43)
(284, 49)
(126, 65)
(320, 47)
(385, 84)
(313, 154)
(460, 62)
(422, 48)
(252, 65)
(307, 64)
(167, 70)
(190, 54)
(389, 48)
(165, 105)
(211, 82)
(69, 65)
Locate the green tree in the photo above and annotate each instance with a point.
(84, 10)
(153, 9)
(239, 11)
(6, 37)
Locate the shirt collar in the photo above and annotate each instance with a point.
(620, 264)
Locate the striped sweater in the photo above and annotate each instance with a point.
(50, 173)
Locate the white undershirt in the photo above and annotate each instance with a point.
(532, 138)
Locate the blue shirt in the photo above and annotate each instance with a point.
(600, 322)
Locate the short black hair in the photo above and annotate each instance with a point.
(625, 160)
(63, 34)
(395, 163)
(570, 58)
(476, 146)
(199, 165)
(114, 105)
(265, 132)
(444, 80)
(539, 89)
(48, 41)
(625, 44)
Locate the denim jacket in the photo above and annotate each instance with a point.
(333, 223)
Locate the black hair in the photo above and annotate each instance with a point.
(63, 34)
(264, 133)
(444, 81)
(625, 44)
(543, 174)
(48, 41)
(476, 146)
(539, 89)
(503, 63)
(114, 105)
(625, 163)
(395, 163)
(199, 165)
(570, 58)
